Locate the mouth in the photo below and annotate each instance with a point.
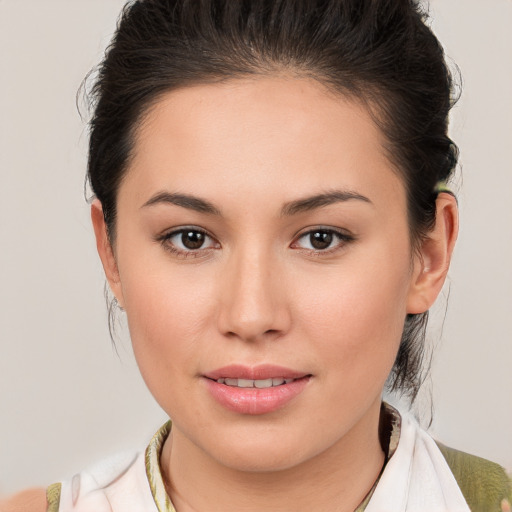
(253, 383)
(265, 375)
(255, 390)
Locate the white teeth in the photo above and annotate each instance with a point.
(267, 383)
(249, 383)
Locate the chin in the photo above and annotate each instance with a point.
(262, 452)
(262, 461)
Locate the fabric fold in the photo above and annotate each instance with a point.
(417, 477)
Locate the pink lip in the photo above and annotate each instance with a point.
(261, 372)
(254, 400)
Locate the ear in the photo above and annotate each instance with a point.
(432, 262)
(105, 251)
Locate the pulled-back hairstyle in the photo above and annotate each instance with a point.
(379, 51)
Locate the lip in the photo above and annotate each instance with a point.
(264, 371)
(255, 401)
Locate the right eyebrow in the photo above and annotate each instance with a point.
(185, 201)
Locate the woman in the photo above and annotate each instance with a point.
(271, 214)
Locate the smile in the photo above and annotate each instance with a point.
(251, 383)
(255, 390)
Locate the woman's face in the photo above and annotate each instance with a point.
(262, 235)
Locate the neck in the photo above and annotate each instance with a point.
(336, 480)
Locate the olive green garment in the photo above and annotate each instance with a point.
(484, 484)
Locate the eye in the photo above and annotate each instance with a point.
(322, 240)
(187, 241)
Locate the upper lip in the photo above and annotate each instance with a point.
(260, 372)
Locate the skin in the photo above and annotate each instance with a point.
(259, 292)
(29, 499)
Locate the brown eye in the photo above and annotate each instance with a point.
(320, 239)
(192, 239)
(188, 241)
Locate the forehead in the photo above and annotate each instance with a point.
(269, 136)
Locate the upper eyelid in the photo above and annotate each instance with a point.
(164, 239)
(168, 233)
(337, 231)
(343, 236)
(341, 233)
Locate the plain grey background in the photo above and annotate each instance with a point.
(66, 399)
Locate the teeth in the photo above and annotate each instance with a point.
(267, 383)
(260, 384)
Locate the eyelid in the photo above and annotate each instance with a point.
(344, 237)
(166, 236)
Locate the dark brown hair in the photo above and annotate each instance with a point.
(380, 51)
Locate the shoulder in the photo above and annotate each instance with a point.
(484, 484)
(30, 499)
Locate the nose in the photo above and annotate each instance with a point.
(253, 304)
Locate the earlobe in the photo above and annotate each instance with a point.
(433, 259)
(105, 251)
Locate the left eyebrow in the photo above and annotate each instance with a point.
(320, 200)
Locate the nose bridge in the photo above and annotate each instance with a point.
(252, 304)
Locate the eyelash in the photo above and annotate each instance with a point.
(343, 239)
(185, 254)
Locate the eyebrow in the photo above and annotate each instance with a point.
(320, 200)
(292, 208)
(185, 201)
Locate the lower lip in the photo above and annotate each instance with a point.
(255, 400)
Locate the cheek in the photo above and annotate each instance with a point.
(357, 316)
(168, 319)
